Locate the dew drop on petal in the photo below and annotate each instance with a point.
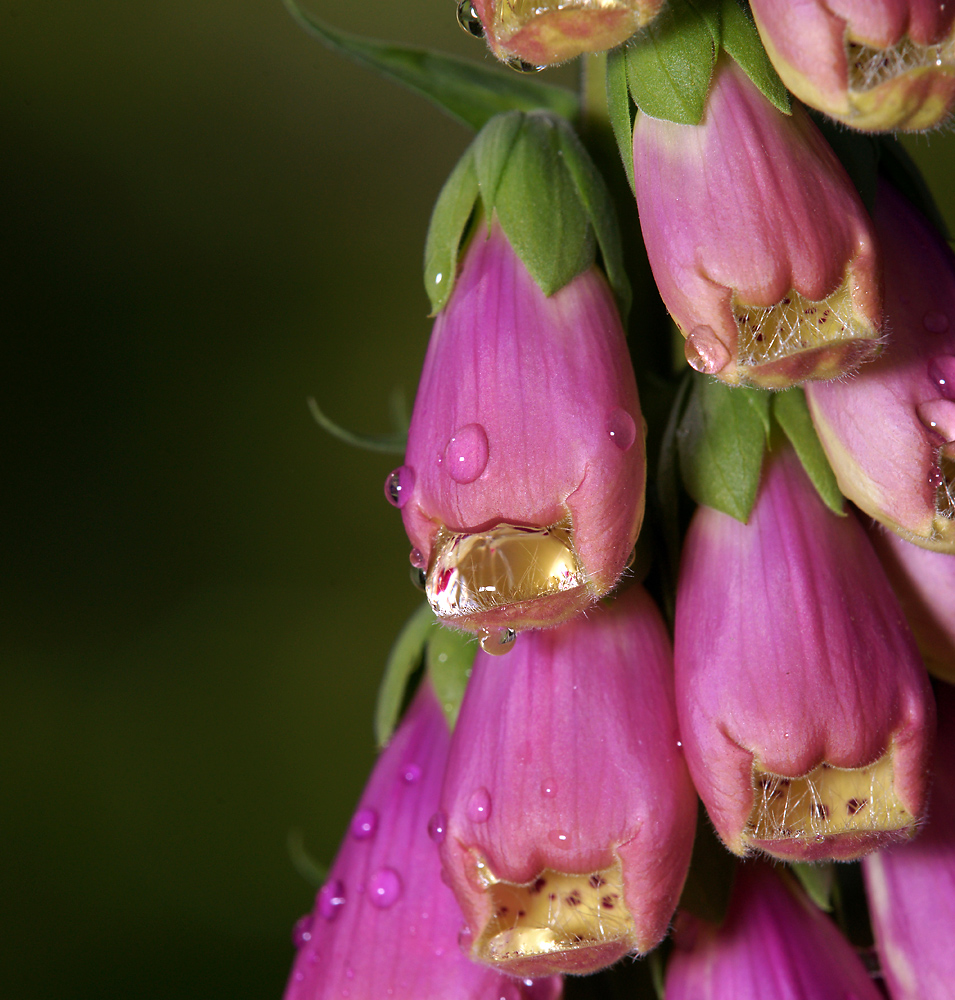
(938, 415)
(399, 485)
(548, 789)
(559, 838)
(465, 938)
(935, 322)
(438, 827)
(416, 557)
(465, 455)
(621, 428)
(479, 806)
(364, 823)
(302, 931)
(497, 642)
(411, 774)
(468, 19)
(935, 477)
(331, 898)
(941, 371)
(384, 888)
(705, 352)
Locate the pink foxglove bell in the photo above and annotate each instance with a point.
(804, 707)
(569, 810)
(758, 241)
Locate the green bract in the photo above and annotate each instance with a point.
(531, 172)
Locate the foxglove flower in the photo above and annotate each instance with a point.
(523, 485)
(872, 64)
(805, 710)
(924, 582)
(530, 35)
(774, 942)
(889, 432)
(569, 810)
(758, 241)
(384, 924)
(911, 888)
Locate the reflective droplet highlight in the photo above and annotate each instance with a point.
(417, 559)
(384, 888)
(399, 485)
(364, 823)
(621, 428)
(479, 806)
(438, 827)
(559, 838)
(465, 455)
(411, 774)
(519, 66)
(705, 352)
(302, 931)
(938, 415)
(465, 939)
(331, 898)
(468, 20)
(418, 577)
(497, 641)
(942, 373)
(935, 322)
(548, 789)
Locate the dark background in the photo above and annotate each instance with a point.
(205, 217)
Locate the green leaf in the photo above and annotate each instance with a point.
(721, 439)
(449, 219)
(449, 659)
(899, 167)
(670, 64)
(792, 415)
(403, 660)
(741, 40)
(619, 109)
(599, 207)
(467, 91)
(537, 205)
(817, 880)
(391, 444)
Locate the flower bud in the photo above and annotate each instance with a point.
(805, 710)
(889, 432)
(384, 924)
(523, 488)
(570, 812)
(758, 241)
(924, 582)
(872, 64)
(773, 943)
(545, 32)
(911, 888)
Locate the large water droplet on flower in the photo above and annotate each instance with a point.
(497, 641)
(935, 322)
(398, 486)
(418, 578)
(705, 352)
(438, 827)
(519, 66)
(384, 888)
(364, 823)
(417, 559)
(468, 19)
(941, 371)
(938, 415)
(479, 806)
(302, 931)
(465, 455)
(331, 898)
(621, 428)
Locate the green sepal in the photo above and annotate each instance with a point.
(449, 220)
(740, 39)
(468, 91)
(314, 872)
(670, 63)
(448, 660)
(721, 438)
(532, 173)
(619, 108)
(817, 880)
(403, 660)
(390, 444)
(792, 415)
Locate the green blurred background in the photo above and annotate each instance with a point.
(205, 218)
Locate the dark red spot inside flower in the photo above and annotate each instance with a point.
(573, 899)
(539, 884)
(607, 902)
(854, 805)
(820, 810)
(596, 881)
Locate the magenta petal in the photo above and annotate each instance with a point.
(525, 463)
(567, 797)
(793, 661)
(774, 943)
(911, 888)
(384, 924)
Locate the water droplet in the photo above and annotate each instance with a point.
(384, 888)
(548, 789)
(438, 827)
(466, 453)
(419, 578)
(411, 774)
(938, 415)
(705, 352)
(479, 806)
(935, 477)
(302, 931)
(519, 66)
(331, 898)
(498, 641)
(468, 19)
(364, 823)
(299, 975)
(349, 972)
(621, 428)
(935, 322)
(416, 556)
(631, 559)
(438, 278)
(941, 371)
(398, 486)
(465, 937)
(559, 838)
